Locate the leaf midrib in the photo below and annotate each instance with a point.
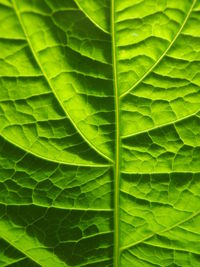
(117, 118)
(117, 249)
(116, 259)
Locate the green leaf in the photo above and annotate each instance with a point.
(99, 133)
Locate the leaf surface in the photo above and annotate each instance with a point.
(99, 133)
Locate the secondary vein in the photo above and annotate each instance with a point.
(34, 53)
(163, 54)
(92, 20)
(160, 232)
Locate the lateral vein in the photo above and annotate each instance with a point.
(158, 233)
(163, 55)
(94, 22)
(50, 85)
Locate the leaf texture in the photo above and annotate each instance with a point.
(99, 133)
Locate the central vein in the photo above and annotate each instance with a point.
(117, 141)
